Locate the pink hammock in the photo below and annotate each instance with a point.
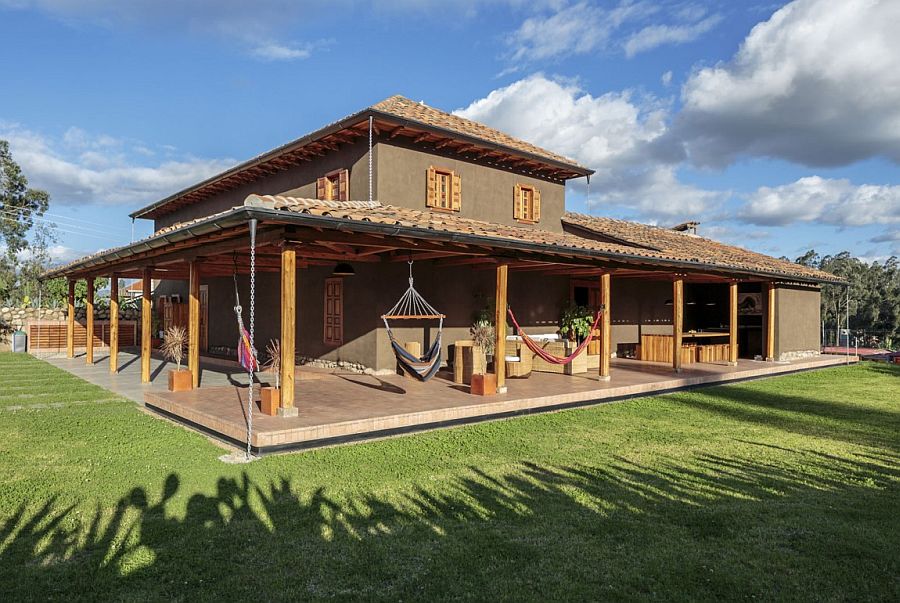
(547, 357)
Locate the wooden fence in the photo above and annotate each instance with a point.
(50, 335)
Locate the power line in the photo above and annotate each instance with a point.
(41, 218)
(68, 228)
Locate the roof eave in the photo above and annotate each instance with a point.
(240, 215)
(146, 211)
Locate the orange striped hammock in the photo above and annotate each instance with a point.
(544, 354)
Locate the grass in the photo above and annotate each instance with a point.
(787, 488)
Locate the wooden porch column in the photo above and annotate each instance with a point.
(500, 305)
(605, 335)
(732, 322)
(677, 321)
(288, 330)
(70, 321)
(194, 322)
(770, 321)
(146, 316)
(114, 323)
(89, 344)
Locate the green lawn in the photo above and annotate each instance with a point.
(787, 488)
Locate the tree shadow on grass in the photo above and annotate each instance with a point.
(801, 414)
(719, 527)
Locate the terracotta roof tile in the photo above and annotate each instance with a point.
(405, 108)
(616, 238)
(690, 246)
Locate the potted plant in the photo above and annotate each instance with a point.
(575, 323)
(270, 397)
(175, 342)
(482, 345)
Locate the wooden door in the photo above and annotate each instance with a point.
(204, 318)
(334, 311)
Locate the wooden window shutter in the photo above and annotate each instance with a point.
(536, 202)
(431, 188)
(456, 193)
(322, 188)
(343, 185)
(517, 202)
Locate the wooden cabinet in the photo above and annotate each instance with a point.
(695, 348)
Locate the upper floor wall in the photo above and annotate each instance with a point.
(400, 177)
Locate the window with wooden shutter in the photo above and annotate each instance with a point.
(334, 186)
(334, 311)
(443, 189)
(526, 204)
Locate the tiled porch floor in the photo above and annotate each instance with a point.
(338, 406)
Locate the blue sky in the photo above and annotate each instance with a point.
(776, 125)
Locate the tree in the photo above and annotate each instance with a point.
(19, 206)
(56, 291)
(874, 294)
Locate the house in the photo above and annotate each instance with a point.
(340, 213)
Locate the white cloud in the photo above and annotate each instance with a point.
(816, 84)
(584, 27)
(612, 134)
(654, 36)
(279, 52)
(666, 78)
(84, 168)
(576, 29)
(825, 201)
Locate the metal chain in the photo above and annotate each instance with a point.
(250, 390)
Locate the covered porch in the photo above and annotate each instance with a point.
(337, 407)
(300, 244)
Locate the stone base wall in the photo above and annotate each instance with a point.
(788, 356)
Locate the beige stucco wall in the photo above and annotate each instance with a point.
(798, 323)
(487, 192)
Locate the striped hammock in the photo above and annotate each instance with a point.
(412, 306)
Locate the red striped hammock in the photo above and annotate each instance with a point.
(542, 353)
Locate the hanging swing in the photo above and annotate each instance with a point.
(412, 306)
(246, 355)
(544, 354)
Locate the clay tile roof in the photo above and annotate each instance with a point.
(688, 246)
(405, 108)
(601, 236)
(616, 237)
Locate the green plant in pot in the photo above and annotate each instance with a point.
(575, 322)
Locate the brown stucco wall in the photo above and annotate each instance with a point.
(398, 179)
(798, 323)
(638, 307)
(299, 181)
(457, 292)
(487, 192)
